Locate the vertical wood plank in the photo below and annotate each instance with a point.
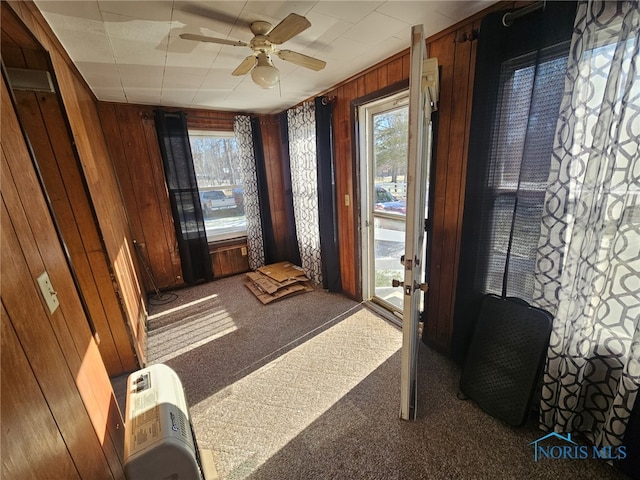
(394, 71)
(443, 50)
(383, 78)
(29, 430)
(56, 160)
(46, 358)
(454, 199)
(59, 347)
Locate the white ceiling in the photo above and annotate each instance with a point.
(131, 52)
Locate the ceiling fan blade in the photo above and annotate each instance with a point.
(245, 67)
(203, 38)
(302, 60)
(288, 28)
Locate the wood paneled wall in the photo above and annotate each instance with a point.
(45, 124)
(275, 173)
(133, 145)
(388, 73)
(98, 171)
(59, 415)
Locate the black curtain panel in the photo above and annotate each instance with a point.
(519, 81)
(327, 195)
(293, 252)
(180, 176)
(268, 234)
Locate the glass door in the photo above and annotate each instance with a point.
(384, 126)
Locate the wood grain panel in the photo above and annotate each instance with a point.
(395, 73)
(148, 209)
(32, 446)
(143, 164)
(102, 185)
(17, 35)
(73, 211)
(383, 78)
(273, 159)
(454, 196)
(210, 120)
(107, 200)
(59, 347)
(12, 54)
(371, 82)
(47, 360)
(229, 260)
(443, 50)
(348, 240)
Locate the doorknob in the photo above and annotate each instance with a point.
(407, 289)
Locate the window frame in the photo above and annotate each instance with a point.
(233, 235)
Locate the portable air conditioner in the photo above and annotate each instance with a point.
(159, 442)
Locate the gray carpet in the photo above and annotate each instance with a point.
(308, 388)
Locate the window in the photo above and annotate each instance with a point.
(529, 97)
(217, 167)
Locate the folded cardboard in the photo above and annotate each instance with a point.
(276, 281)
(266, 298)
(283, 271)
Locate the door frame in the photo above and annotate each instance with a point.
(366, 184)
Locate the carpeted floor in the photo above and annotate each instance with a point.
(308, 388)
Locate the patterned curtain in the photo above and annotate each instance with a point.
(304, 181)
(255, 244)
(588, 259)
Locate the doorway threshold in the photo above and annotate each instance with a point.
(388, 315)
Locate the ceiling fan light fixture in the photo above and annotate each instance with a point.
(264, 74)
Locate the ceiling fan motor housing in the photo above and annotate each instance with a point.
(261, 43)
(260, 27)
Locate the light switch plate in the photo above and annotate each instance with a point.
(49, 294)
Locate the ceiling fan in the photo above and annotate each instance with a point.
(263, 44)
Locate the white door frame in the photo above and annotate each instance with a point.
(365, 138)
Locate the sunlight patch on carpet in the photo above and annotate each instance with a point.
(251, 420)
(185, 306)
(189, 333)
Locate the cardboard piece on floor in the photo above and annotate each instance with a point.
(266, 298)
(283, 271)
(276, 281)
(264, 283)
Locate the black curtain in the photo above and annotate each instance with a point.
(327, 195)
(180, 176)
(519, 80)
(268, 234)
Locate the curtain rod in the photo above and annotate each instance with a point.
(510, 17)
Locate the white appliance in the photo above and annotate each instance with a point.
(159, 442)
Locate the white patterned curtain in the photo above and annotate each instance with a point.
(255, 245)
(588, 262)
(304, 183)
